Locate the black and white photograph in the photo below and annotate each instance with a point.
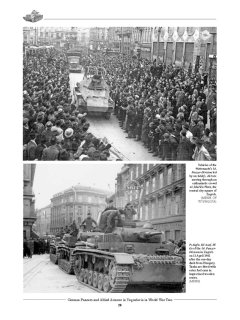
(119, 93)
(111, 227)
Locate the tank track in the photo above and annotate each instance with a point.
(54, 258)
(101, 273)
(65, 264)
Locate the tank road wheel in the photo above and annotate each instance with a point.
(90, 277)
(100, 281)
(106, 284)
(112, 273)
(81, 275)
(78, 266)
(95, 279)
(85, 278)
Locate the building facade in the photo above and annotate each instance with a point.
(29, 216)
(178, 45)
(43, 221)
(185, 45)
(158, 193)
(60, 37)
(74, 204)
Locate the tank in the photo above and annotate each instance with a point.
(54, 250)
(95, 92)
(33, 17)
(65, 251)
(129, 255)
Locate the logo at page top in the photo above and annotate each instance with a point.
(34, 16)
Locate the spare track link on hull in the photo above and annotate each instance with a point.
(101, 273)
(53, 258)
(64, 264)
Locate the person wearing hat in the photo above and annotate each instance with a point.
(200, 152)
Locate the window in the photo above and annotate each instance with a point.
(152, 215)
(161, 180)
(141, 213)
(176, 204)
(161, 208)
(177, 235)
(89, 199)
(131, 175)
(153, 183)
(141, 169)
(169, 175)
(147, 186)
(167, 235)
(146, 212)
(137, 171)
(178, 172)
(168, 205)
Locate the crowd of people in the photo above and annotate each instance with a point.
(54, 128)
(35, 246)
(172, 111)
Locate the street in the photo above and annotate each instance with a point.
(40, 275)
(129, 149)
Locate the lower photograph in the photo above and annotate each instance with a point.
(106, 227)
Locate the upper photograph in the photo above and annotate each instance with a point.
(119, 93)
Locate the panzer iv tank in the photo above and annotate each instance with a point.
(109, 262)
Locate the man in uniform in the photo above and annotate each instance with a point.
(88, 223)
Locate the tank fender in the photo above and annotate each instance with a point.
(123, 258)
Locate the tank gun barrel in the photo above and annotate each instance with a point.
(148, 234)
(85, 243)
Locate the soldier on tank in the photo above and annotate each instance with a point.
(88, 223)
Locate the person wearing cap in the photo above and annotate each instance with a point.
(89, 223)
